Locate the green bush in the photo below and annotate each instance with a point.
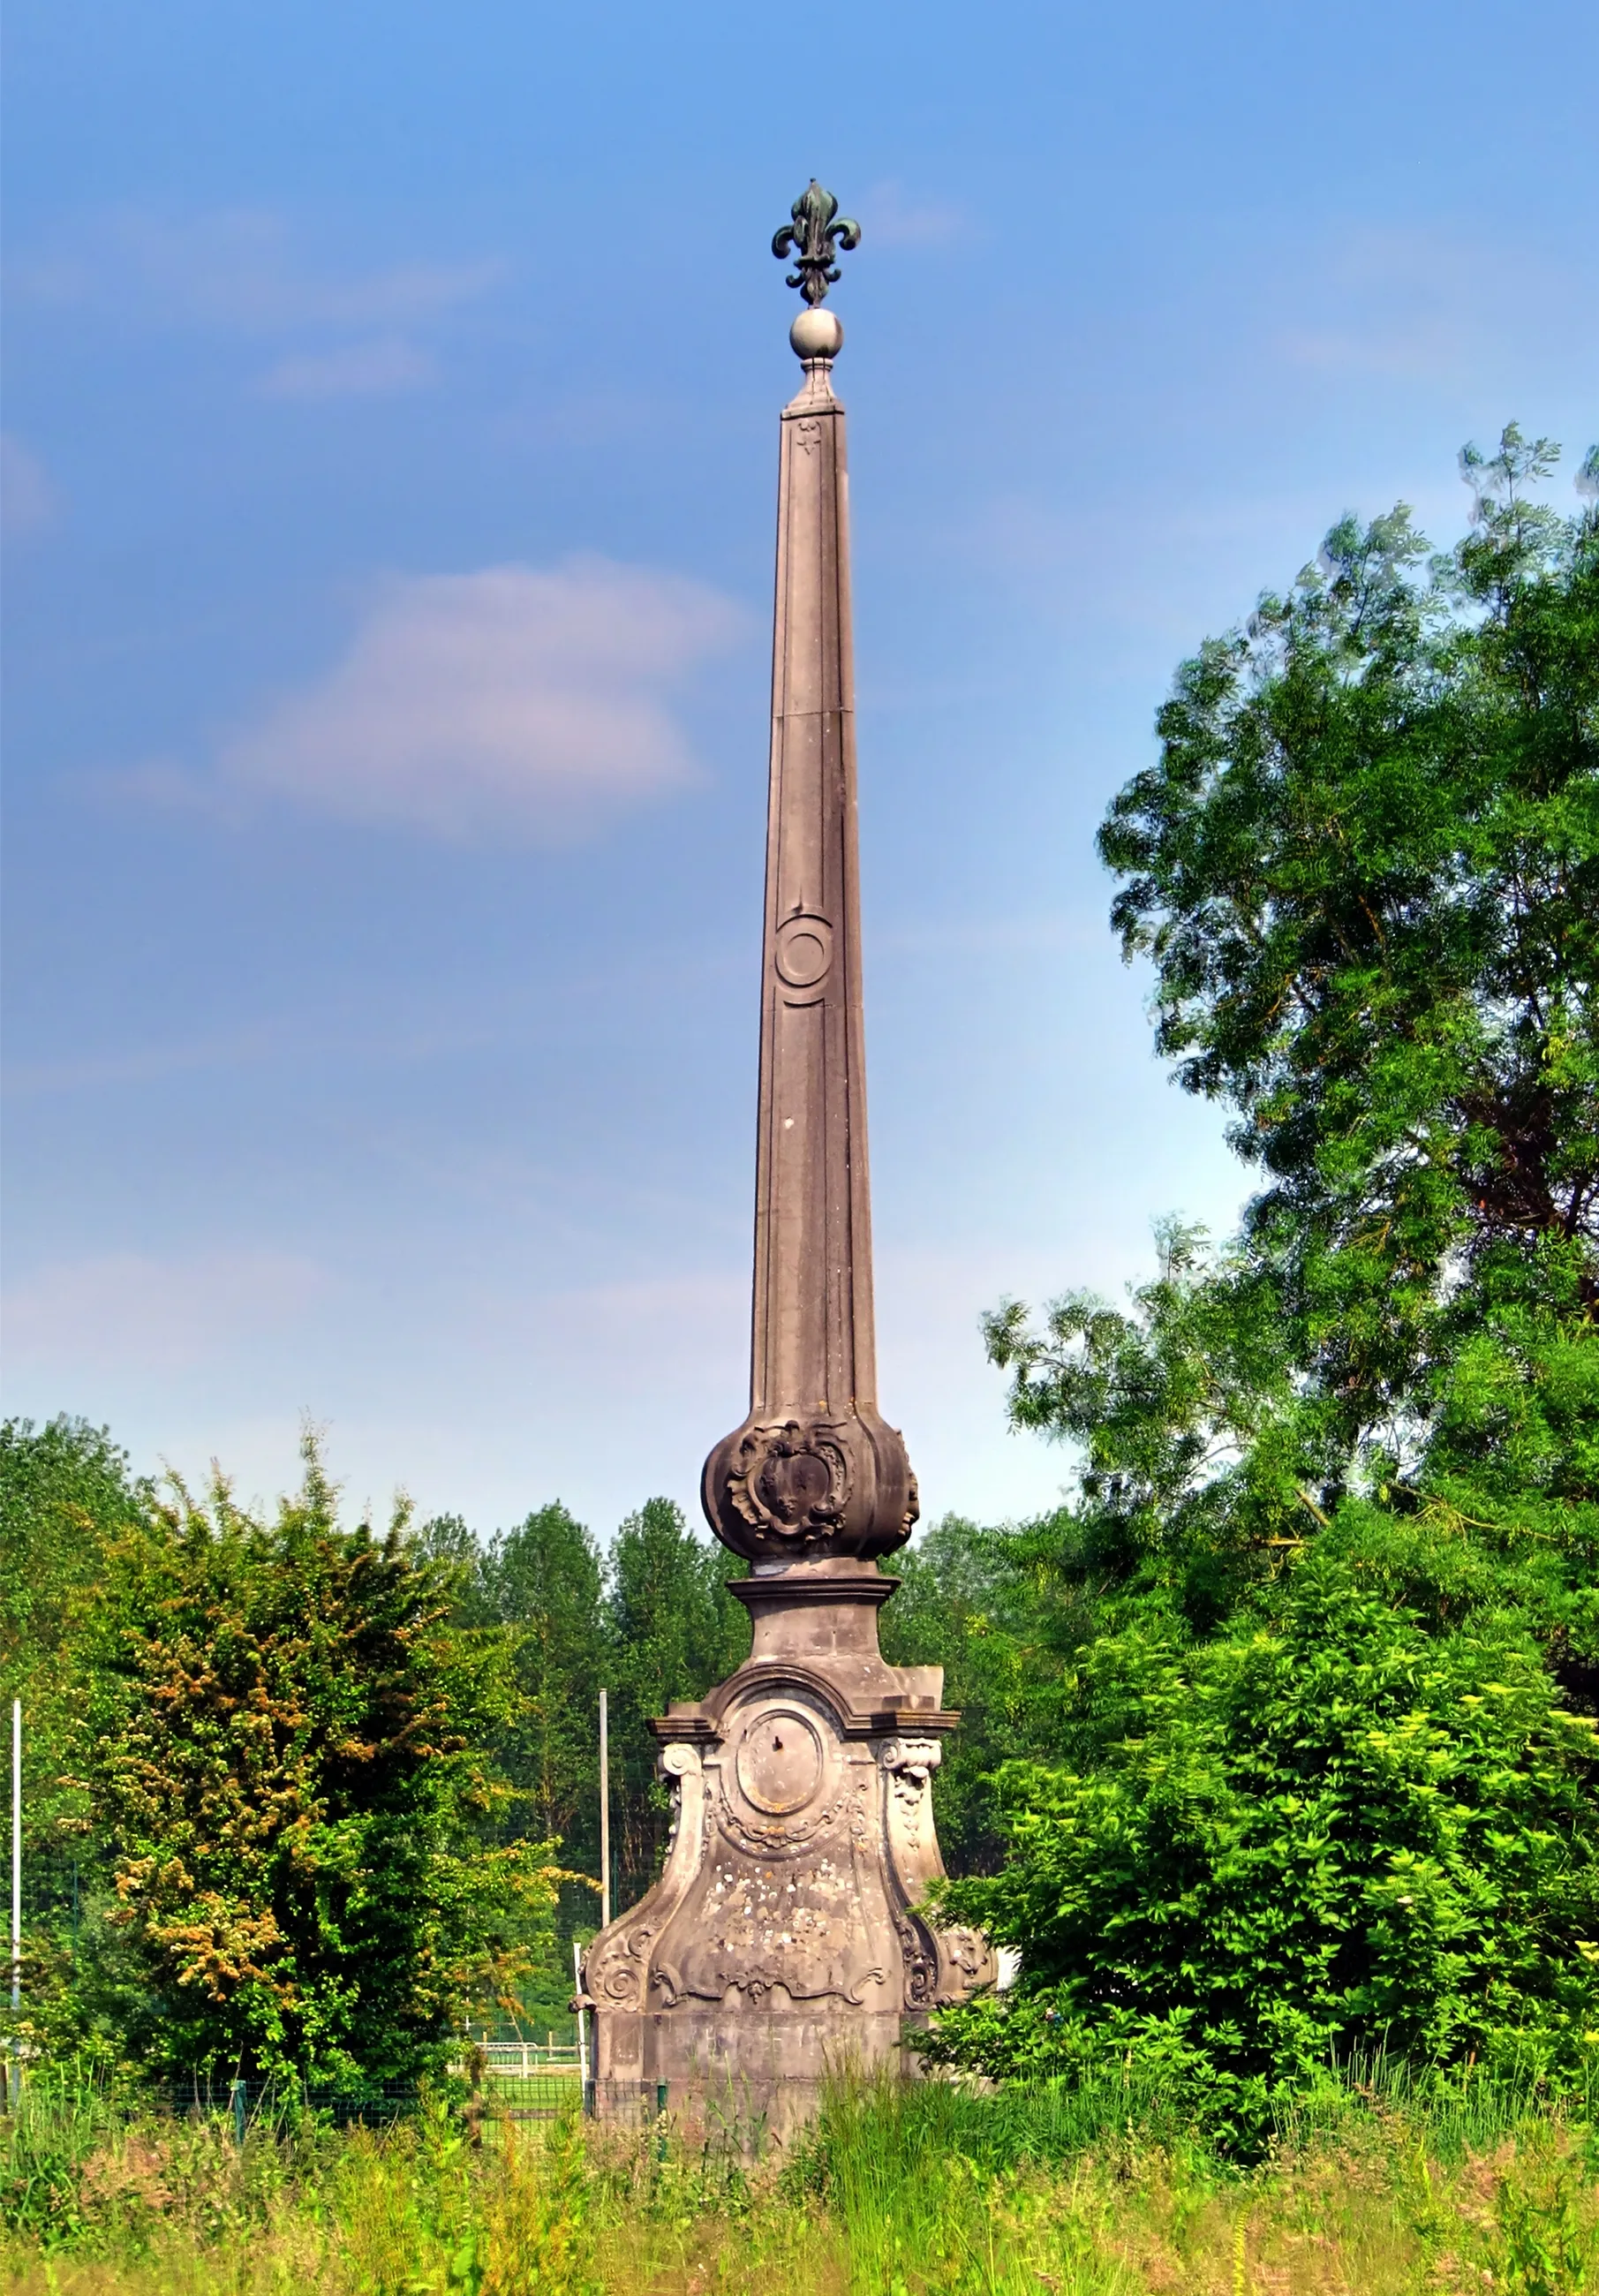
(1334, 1828)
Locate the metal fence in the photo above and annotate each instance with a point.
(247, 2104)
(510, 2087)
(526, 2059)
(503, 2090)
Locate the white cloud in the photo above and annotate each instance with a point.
(517, 700)
(27, 500)
(369, 370)
(239, 270)
(127, 1311)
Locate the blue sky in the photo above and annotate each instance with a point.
(389, 448)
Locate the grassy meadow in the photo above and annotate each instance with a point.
(923, 2191)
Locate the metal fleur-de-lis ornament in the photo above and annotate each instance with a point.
(815, 237)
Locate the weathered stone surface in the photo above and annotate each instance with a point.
(788, 1934)
(813, 1469)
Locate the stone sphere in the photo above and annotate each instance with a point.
(816, 335)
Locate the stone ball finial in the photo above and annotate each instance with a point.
(817, 335)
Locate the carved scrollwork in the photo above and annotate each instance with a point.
(909, 1763)
(791, 1478)
(780, 1838)
(675, 1764)
(614, 1974)
(920, 1964)
(967, 1962)
(794, 1487)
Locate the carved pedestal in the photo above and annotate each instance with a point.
(786, 1937)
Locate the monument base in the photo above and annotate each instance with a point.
(787, 1937)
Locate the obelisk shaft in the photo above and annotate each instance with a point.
(813, 1348)
(814, 1474)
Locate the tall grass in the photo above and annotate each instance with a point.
(1388, 2183)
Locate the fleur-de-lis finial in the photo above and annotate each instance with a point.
(815, 237)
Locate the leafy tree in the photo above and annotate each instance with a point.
(674, 1632)
(449, 1539)
(544, 1581)
(63, 1487)
(1365, 867)
(1324, 1610)
(1201, 1452)
(65, 1493)
(1312, 1783)
(1336, 1827)
(288, 1770)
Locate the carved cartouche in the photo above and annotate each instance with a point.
(794, 1489)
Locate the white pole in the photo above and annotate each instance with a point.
(16, 1872)
(582, 2014)
(604, 1814)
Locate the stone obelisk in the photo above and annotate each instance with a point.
(786, 1934)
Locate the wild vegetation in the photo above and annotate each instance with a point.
(1097, 2190)
(1281, 1738)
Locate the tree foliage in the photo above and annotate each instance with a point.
(674, 1631)
(1321, 1617)
(300, 1796)
(288, 1767)
(1366, 868)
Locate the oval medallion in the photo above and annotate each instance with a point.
(780, 1761)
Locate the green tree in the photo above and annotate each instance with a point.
(1315, 1782)
(288, 1772)
(450, 1540)
(1366, 868)
(544, 1582)
(65, 1494)
(1324, 1608)
(63, 1487)
(1337, 1827)
(1201, 1451)
(674, 1632)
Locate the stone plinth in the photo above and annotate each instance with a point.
(785, 1936)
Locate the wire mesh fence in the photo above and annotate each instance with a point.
(246, 2103)
(499, 2092)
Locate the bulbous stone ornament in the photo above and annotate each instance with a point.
(797, 1489)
